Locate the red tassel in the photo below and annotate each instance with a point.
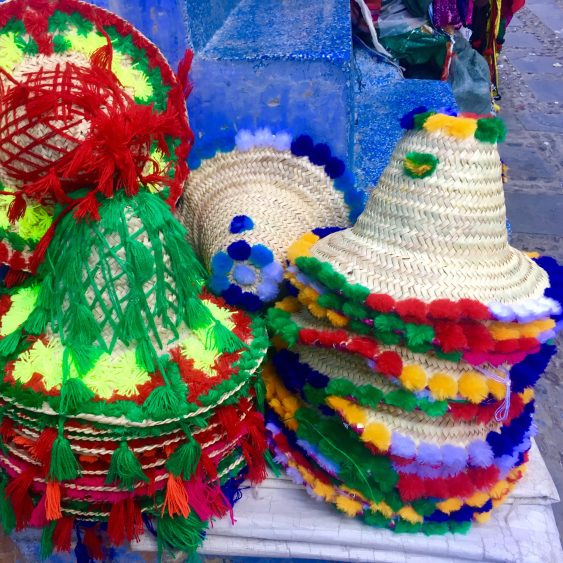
(229, 420)
(17, 207)
(135, 528)
(14, 278)
(62, 535)
(53, 501)
(17, 491)
(183, 72)
(103, 57)
(7, 429)
(93, 543)
(42, 448)
(255, 463)
(208, 466)
(117, 523)
(4, 252)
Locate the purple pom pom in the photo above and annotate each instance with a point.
(402, 446)
(273, 272)
(302, 146)
(335, 167)
(321, 154)
(480, 454)
(454, 458)
(429, 454)
(244, 275)
(239, 250)
(267, 290)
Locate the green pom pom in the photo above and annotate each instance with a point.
(433, 408)
(388, 338)
(355, 311)
(388, 323)
(416, 334)
(355, 292)
(369, 396)
(450, 356)
(64, 466)
(404, 527)
(340, 388)
(333, 280)
(180, 534)
(74, 395)
(376, 519)
(330, 301)
(125, 469)
(313, 395)
(435, 528)
(185, 459)
(359, 327)
(424, 507)
(419, 164)
(460, 527)
(420, 119)
(490, 130)
(401, 398)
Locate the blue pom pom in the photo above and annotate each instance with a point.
(232, 295)
(321, 154)
(261, 255)
(335, 167)
(347, 180)
(221, 263)
(244, 275)
(239, 250)
(250, 302)
(241, 223)
(302, 146)
(273, 272)
(323, 232)
(485, 508)
(268, 290)
(218, 283)
(407, 121)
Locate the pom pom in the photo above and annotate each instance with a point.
(429, 454)
(490, 130)
(413, 378)
(302, 145)
(407, 121)
(380, 302)
(239, 250)
(473, 386)
(261, 255)
(335, 167)
(221, 263)
(282, 141)
(232, 295)
(218, 283)
(480, 454)
(419, 165)
(263, 137)
(320, 154)
(410, 487)
(244, 140)
(241, 223)
(450, 336)
(443, 386)
(273, 272)
(389, 363)
(414, 309)
(444, 309)
(378, 435)
(244, 275)
(474, 310)
(402, 446)
(454, 458)
(366, 347)
(250, 302)
(268, 290)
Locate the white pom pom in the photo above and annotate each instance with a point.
(501, 312)
(244, 140)
(282, 141)
(264, 137)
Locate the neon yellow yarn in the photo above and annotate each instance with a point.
(10, 54)
(23, 303)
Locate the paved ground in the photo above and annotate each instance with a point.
(531, 83)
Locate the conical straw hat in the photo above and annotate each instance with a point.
(435, 225)
(243, 209)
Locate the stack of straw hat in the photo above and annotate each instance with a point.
(251, 198)
(129, 395)
(401, 389)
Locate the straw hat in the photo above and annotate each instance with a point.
(243, 208)
(435, 226)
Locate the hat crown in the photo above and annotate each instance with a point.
(458, 209)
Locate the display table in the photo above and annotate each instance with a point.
(279, 519)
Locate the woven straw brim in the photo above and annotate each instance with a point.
(285, 196)
(438, 237)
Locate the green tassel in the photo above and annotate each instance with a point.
(185, 459)
(36, 322)
(64, 466)
(132, 326)
(260, 390)
(75, 394)
(272, 464)
(7, 516)
(125, 469)
(163, 402)
(225, 340)
(9, 343)
(180, 534)
(416, 335)
(142, 261)
(144, 355)
(84, 357)
(197, 314)
(46, 549)
(81, 326)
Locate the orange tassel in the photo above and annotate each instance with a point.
(53, 501)
(176, 499)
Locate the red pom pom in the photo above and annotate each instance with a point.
(527, 344)
(486, 412)
(485, 477)
(474, 310)
(389, 363)
(412, 309)
(444, 309)
(463, 411)
(308, 336)
(479, 339)
(450, 336)
(516, 408)
(411, 487)
(462, 486)
(380, 302)
(437, 488)
(507, 346)
(363, 346)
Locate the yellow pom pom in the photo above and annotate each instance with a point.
(473, 386)
(477, 499)
(499, 490)
(383, 508)
(308, 295)
(532, 254)
(496, 389)
(533, 329)
(297, 249)
(310, 239)
(291, 404)
(450, 505)
(289, 305)
(353, 492)
(459, 127)
(527, 395)
(317, 311)
(443, 386)
(350, 412)
(409, 514)
(482, 517)
(377, 434)
(413, 378)
(324, 491)
(336, 319)
(504, 331)
(349, 506)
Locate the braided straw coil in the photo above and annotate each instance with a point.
(439, 236)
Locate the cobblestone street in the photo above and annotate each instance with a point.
(531, 83)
